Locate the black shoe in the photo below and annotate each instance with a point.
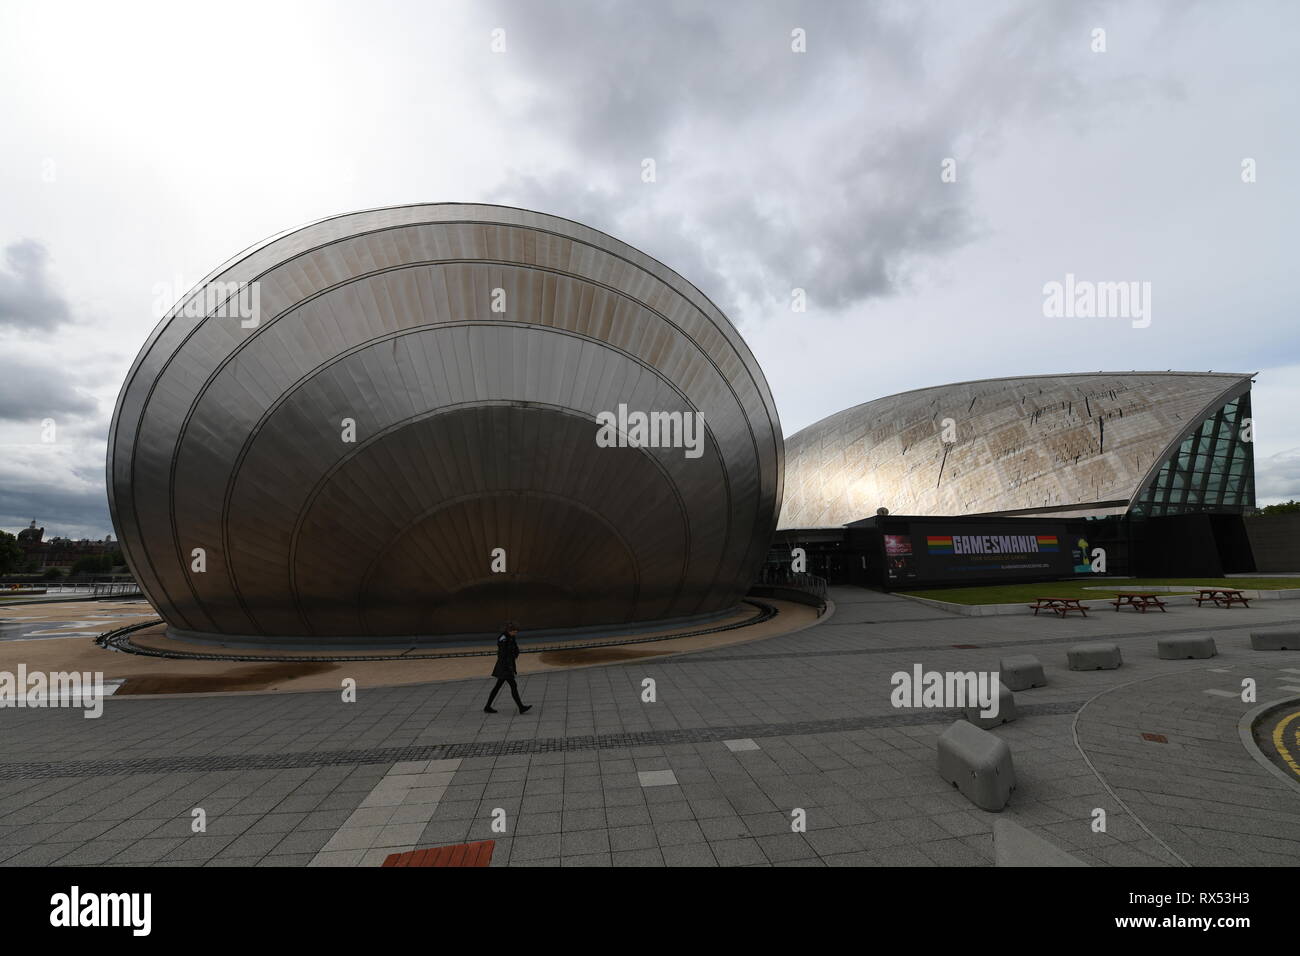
(525, 708)
(488, 710)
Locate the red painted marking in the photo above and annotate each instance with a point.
(458, 854)
(1156, 738)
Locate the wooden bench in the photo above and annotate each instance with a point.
(1062, 606)
(1139, 600)
(1222, 597)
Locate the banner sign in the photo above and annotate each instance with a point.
(932, 552)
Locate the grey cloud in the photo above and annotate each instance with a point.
(32, 391)
(620, 77)
(28, 298)
(782, 198)
(1277, 477)
(64, 513)
(656, 231)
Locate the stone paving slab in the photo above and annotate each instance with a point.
(1201, 794)
(280, 776)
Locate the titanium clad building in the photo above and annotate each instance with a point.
(1085, 445)
(383, 425)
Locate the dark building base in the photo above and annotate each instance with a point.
(1274, 541)
(896, 551)
(398, 641)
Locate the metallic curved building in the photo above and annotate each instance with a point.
(383, 425)
(1084, 445)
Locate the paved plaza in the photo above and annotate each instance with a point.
(711, 772)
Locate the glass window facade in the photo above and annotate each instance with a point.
(1212, 470)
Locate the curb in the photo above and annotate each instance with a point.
(1246, 730)
(1174, 598)
(829, 612)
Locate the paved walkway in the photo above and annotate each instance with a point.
(1198, 790)
(735, 741)
(28, 637)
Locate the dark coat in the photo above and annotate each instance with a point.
(507, 651)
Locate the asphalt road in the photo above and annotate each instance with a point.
(1278, 736)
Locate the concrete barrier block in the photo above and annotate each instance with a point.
(1275, 640)
(1022, 671)
(1006, 709)
(1189, 647)
(1098, 656)
(978, 764)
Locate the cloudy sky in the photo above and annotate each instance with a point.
(146, 144)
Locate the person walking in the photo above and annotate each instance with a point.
(504, 672)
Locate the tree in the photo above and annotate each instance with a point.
(1286, 508)
(11, 556)
(92, 564)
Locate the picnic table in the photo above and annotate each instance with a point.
(1138, 599)
(1061, 605)
(1222, 597)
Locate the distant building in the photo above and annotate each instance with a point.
(58, 551)
(1031, 477)
(1082, 445)
(30, 537)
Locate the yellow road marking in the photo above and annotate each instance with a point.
(1279, 733)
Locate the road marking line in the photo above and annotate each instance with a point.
(1278, 733)
(392, 817)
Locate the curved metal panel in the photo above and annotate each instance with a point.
(1059, 444)
(469, 349)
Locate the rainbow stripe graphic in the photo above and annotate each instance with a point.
(940, 544)
(1048, 542)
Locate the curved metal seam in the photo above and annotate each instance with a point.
(498, 234)
(392, 336)
(452, 502)
(239, 348)
(755, 379)
(433, 413)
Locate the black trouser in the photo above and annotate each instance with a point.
(514, 691)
